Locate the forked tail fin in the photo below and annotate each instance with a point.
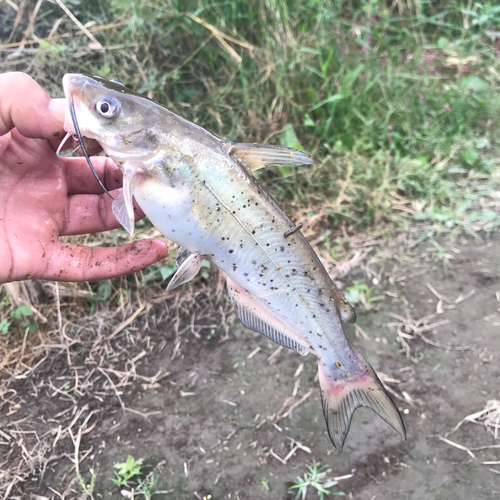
(341, 397)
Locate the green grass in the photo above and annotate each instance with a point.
(402, 100)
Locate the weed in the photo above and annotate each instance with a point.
(22, 316)
(316, 479)
(130, 474)
(361, 293)
(87, 488)
(127, 471)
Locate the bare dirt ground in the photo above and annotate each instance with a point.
(216, 411)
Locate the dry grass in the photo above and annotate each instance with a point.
(82, 362)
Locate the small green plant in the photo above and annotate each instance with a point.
(128, 471)
(315, 478)
(361, 293)
(130, 475)
(145, 487)
(23, 315)
(4, 326)
(87, 488)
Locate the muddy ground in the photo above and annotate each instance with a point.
(213, 417)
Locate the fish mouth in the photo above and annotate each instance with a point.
(73, 85)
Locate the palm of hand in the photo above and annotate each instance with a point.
(43, 197)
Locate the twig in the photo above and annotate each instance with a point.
(459, 446)
(79, 24)
(277, 457)
(438, 295)
(129, 320)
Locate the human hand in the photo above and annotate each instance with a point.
(43, 197)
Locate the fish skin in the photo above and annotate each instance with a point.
(195, 192)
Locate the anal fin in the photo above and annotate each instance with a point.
(256, 317)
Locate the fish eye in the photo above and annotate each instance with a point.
(107, 107)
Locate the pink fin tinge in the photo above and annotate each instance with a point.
(341, 397)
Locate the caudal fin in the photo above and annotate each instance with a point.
(341, 397)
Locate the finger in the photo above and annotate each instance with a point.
(92, 214)
(81, 180)
(70, 262)
(26, 106)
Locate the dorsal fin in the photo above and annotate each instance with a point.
(255, 156)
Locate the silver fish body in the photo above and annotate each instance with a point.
(199, 192)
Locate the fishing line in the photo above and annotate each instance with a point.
(80, 138)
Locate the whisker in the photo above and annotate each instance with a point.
(58, 152)
(82, 145)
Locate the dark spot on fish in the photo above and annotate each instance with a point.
(231, 251)
(245, 274)
(253, 232)
(282, 249)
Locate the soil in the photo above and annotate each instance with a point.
(210, 415)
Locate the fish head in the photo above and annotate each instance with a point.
(120, 120)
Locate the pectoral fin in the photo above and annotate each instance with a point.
(123, 205)
(187, 271)
(256, 317)
(255, 156)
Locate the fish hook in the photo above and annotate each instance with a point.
(80, 138)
